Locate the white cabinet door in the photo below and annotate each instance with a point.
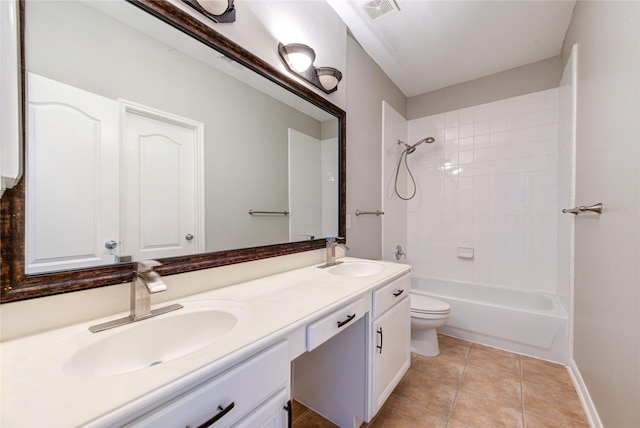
(72, 176)
(391, 351)
(162, 202)
(271, 414)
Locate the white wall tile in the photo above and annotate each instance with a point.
(466, 131)
(437, 121)
(491, 182)
(482, 113)
(497, 139)
(481, 142)
(465, 143)
(451, 133)
(466, 116)
(534, 118)
(515, 106)
(498, 109)
(516, 136)
(498, 124)
(535, 101)
(451, 119)
(515, 122)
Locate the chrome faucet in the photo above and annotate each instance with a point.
(145, 282)
(332, 243)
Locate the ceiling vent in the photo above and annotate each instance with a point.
(377, 9)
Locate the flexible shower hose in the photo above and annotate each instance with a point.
(404, 154)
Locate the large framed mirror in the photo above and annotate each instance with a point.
(147, 134)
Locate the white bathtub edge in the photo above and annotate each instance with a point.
(585, 397)
(500, 326)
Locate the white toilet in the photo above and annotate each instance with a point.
(427, 314)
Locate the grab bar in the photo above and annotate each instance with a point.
(596, 208)
(252, 212)
(377, 212)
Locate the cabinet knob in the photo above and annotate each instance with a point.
(188, 237)
(111, 245)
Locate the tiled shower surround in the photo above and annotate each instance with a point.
(489, 182)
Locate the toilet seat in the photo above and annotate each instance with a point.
(428, 306)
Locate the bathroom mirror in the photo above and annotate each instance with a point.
(117, 158)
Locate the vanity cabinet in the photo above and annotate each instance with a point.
(348, 373)
(330, 377)
(390, 353)
(252, 394)
(338, 345)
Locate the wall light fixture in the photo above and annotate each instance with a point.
(298, 59)
(220, 11)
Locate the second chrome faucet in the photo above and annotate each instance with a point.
(332, 243)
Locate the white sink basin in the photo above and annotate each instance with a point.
(358, 268)
(136, 346)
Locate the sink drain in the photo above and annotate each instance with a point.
(155, 363)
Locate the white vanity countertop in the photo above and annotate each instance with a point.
(278, 305)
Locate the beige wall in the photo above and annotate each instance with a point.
(534, 77)
(367, 88)
(607, 291)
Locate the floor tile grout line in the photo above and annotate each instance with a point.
(413, 403)
(455, 397)
(301, 415)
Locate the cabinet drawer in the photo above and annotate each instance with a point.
(324, 329)
(239, 391)
(387, 296)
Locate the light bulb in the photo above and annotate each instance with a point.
(329, 77)
(214, 7)
(299, 61)
(328, 81)
(299, 57)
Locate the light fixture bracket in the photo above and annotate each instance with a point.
(228, 16)
(311, 74)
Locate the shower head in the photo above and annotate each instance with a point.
(412, 148)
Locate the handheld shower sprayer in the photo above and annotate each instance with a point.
(407, 151)
(410, 148)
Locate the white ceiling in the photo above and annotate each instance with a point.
(428, 45)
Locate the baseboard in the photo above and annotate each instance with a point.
(583, 394)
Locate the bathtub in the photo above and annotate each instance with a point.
(522, 321)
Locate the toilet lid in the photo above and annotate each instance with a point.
(420, 303)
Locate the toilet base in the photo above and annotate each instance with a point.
(425, 342)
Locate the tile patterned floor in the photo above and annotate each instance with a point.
(474, 386)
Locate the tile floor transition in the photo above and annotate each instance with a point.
(473, 386)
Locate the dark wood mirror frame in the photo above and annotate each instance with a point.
(16, 285)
